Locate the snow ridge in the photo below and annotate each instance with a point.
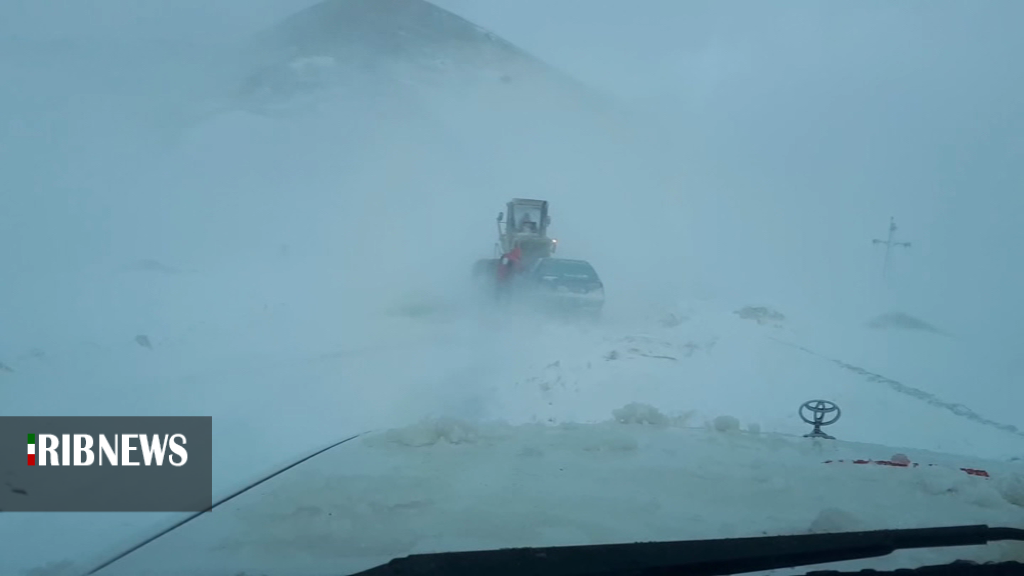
(932, 399)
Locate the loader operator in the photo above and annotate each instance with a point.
(527, 224)
(508, 267)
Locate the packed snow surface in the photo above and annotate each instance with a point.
(670, 425)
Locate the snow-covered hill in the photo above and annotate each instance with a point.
(397, 45)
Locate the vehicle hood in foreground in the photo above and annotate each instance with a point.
(446, 485)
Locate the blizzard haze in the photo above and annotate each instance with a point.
(790, 136)
(798, 130)
(818, 122)
(287, 205)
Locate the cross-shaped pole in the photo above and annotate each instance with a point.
(889, 245)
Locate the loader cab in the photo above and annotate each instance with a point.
(525, 216)
(528, 220)
(524, 222)
(525, 225)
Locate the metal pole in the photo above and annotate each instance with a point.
(889, 243)
(888, 247)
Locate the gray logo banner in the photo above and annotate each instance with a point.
(106, 463)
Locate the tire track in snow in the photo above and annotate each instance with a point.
(927, 397)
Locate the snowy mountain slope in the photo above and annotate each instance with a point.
(387, 28)
(398, 46)
(447, 485)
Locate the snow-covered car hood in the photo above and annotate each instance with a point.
(447, 485)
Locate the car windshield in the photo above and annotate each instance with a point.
(567, 269)
(778, 290)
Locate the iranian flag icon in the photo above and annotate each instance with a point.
(31, 449)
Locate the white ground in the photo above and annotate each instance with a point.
(584, 435)
(308, 249)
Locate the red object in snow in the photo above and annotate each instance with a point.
(906, 463)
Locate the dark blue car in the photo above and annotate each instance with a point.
(562, 285)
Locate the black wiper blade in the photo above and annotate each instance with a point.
(690, 557)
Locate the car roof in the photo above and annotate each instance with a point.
(565, 260)
(555, 262)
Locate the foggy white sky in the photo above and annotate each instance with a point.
(819, 120)
(641, 48)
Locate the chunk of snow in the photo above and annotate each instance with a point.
(836, 520)
(1011, 488)
(936, 480)
(433, 431)
(637, 413)
(726, 424)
